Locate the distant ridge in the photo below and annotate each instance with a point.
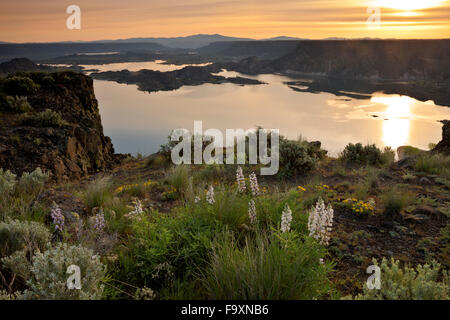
(283, 38)
(188, 42)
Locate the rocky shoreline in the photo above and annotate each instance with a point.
(151, 81)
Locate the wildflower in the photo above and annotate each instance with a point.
(254, 184)
(57, 217)
(76, 215)
(320, 222)
(240, 180)
(321, 260)
(210, 195)
(137, 208)
(286, 218)
(300, 188)
(99, 221)
(197, 199)
(252, 212)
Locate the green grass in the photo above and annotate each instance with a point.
(278, 266)
(394, 201)
(433, 164)
(98, 193)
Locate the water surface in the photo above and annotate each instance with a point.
(140, 122)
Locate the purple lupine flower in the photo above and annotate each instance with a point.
(58, 218)
(99, 221)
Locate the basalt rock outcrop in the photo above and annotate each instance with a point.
(151, 81)
(444, 145)
(72, 149)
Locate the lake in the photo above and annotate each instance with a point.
(139, 122)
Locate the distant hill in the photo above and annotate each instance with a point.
(21, 65)
(189, 42)
(377, 59)
(41, 51)
(243, 49)
(352, 59)
(283, 38)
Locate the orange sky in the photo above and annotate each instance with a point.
(45, 20)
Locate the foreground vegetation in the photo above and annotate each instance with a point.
(148, 230)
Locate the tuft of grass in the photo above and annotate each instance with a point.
(98, 193)
(179, 178)
(433, 164)
(278, 266)
(394, 202)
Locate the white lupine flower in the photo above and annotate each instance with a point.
(240, 179)
(137, 208)
(320, 222)
(210, 195)
(252, 212)
(254, 184)
(286, 218)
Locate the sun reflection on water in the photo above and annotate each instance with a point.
(396, 127)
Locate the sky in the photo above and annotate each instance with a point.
(45, 20)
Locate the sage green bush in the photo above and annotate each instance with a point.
(18, 195)
(421, 283)
(18, 235)
(48, 274)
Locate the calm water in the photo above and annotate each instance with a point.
(157, 65)
(140, 122)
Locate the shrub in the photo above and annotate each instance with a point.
(49, 274)
(33, 182)
(47, 118)
(18, 197)
(7, 182)
(22, 235)
(296, 157)
(19, 86)
(15, 104)
(360, 208)
(281, 266)
(367, 155)
(408, 284)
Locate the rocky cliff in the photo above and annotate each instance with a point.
(55, 125)
(358, 59)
